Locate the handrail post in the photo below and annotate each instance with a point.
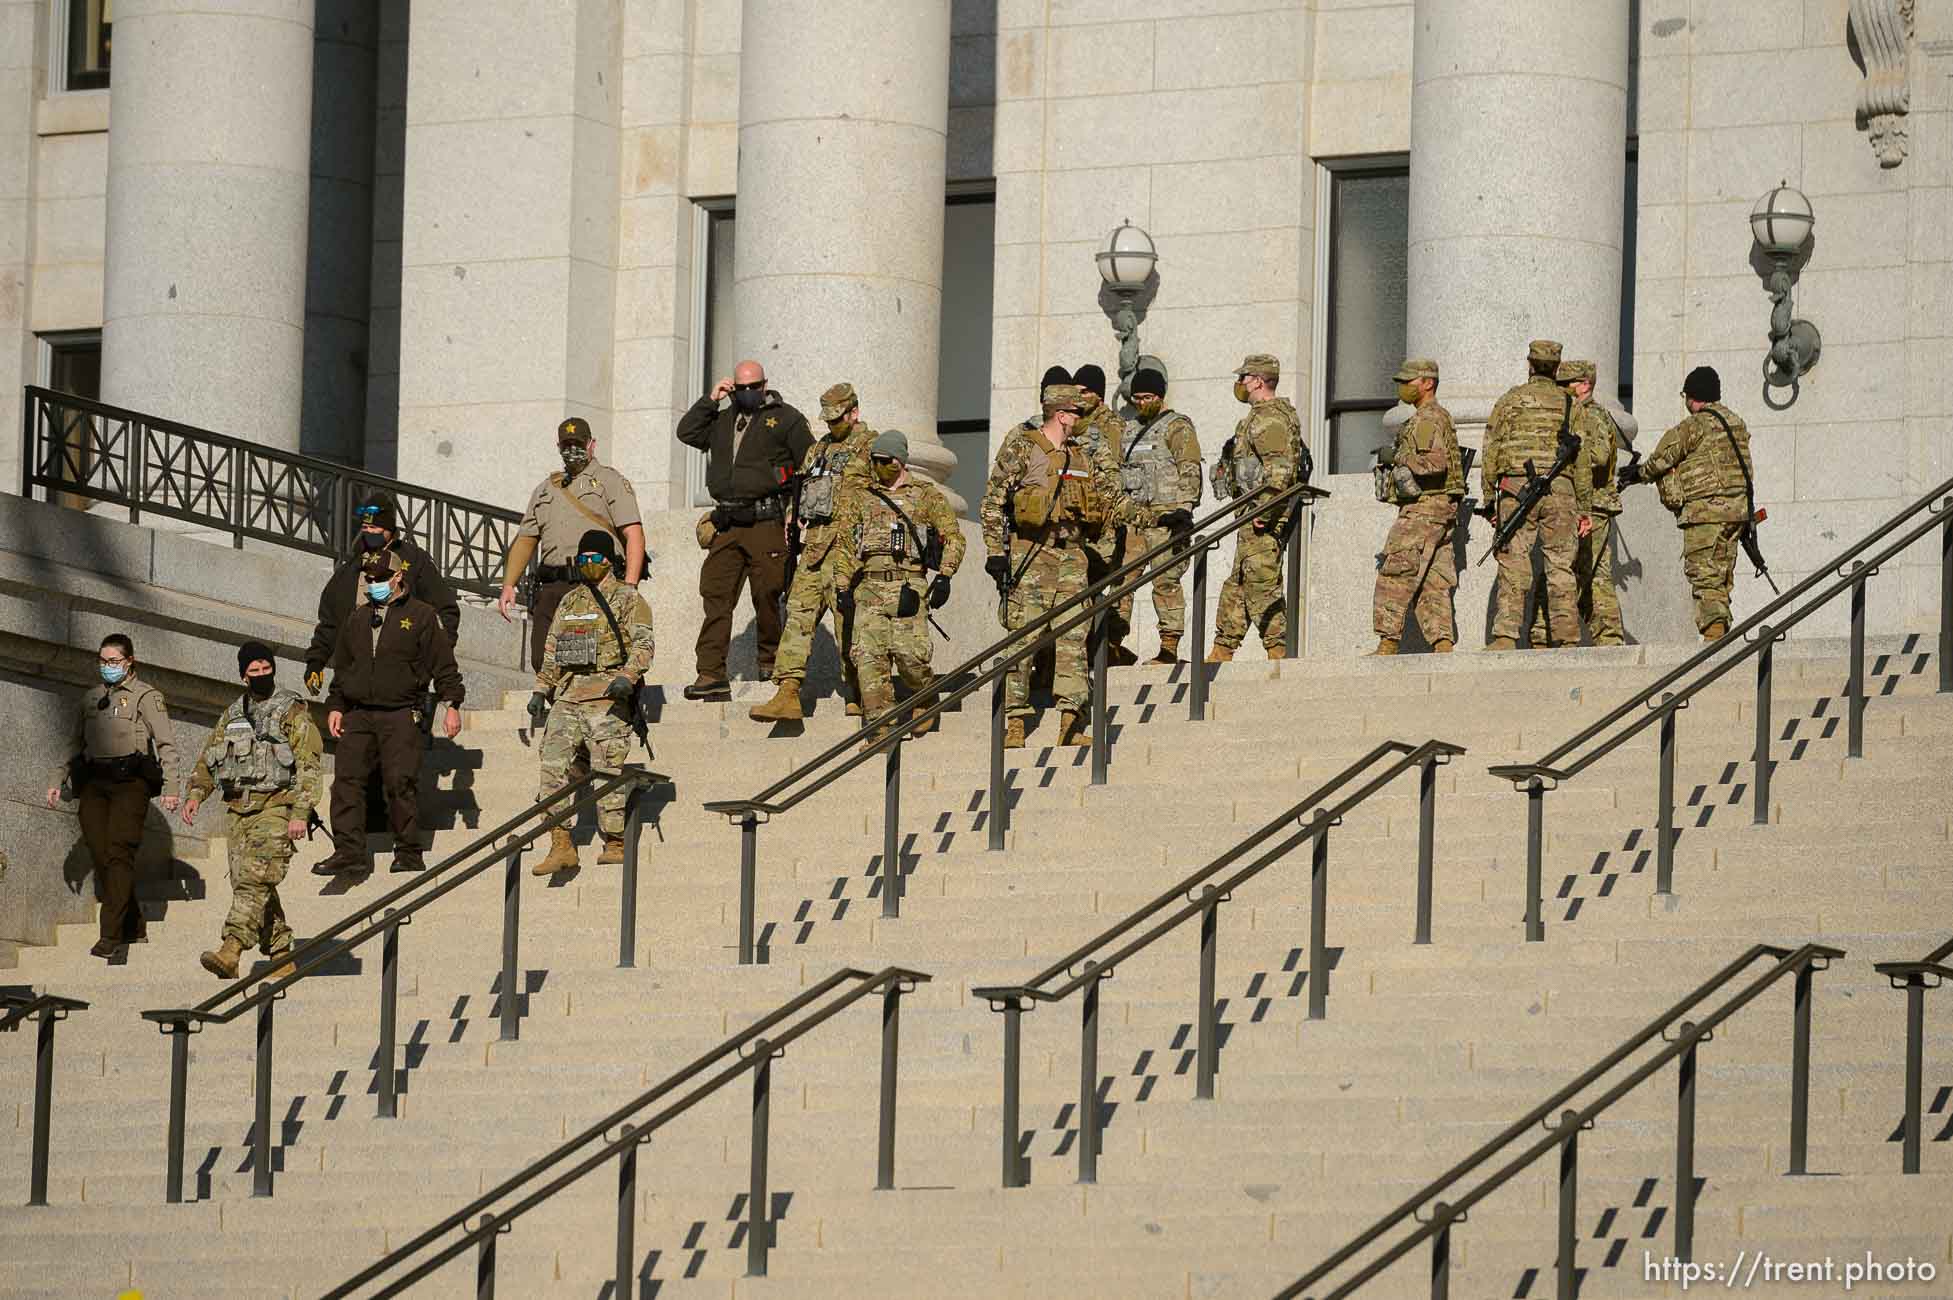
(485, 1258)
(999, 796)
(389, 1008)
(1766, 653)
(1685, 1145)
(626, 1287)
(1101, 740)
(627, 907)
(1915, 987)
(1013, 1012)
(1207, 1041)
(748, 882)
(1441, 1252)
(1535, 854)
(139, 469)
(1946, 597)
(511, 936)
(43, 1102)
(1855, 724)
(1088, 1080)
(261, 1125)
(1197, 661)
(1427, 841)
(891, 1047)
(1665, 807)
(758, 1231)
(179, 1036)
(1292, 635)
(892, 827)
(1566, 1285)
(1319, 920)
(1800, 1070)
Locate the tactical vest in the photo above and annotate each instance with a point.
(823, 482)
(1712, 469)
(580, 638)
(1238, 470)
(883, 536)
(1056, 474)
(256, 760)
(1147, 469)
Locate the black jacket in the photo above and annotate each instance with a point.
(341, 594)
(772, 449)
(413, 648)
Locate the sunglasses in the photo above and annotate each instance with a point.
(753, 387)
(592, 557)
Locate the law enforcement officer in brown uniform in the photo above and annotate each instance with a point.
(754, 443)
(121, 753)
(390, 645)
(378, 522)
(563, 507)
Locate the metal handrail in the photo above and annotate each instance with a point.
(887, 732)
(46, 1009)
(158, 466)
(380, 918)
(893, 982)
(1915, 977)
(1086, 973)
(1803, 962)
(1756, 636)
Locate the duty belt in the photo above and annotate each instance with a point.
(125, 767)
(744, 513)
(883, 566)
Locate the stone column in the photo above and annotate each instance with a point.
(209, 176)
(1518, 148)
(843, 125)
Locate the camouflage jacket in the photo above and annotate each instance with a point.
(1261, 452)
(1525, 425)
(831, 470)
(1178, 484)
(284, 714)
(1427, 445)
(1698, 471)
(1034, 485)
(1602, 442)
(871, 531)
(579, 622)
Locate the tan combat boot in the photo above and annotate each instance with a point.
(613, 854)
(282, 963)
(1441, 646)
(1715, 631)
(1386, 645)
(1169, 650)
(1074, 728)
(1502, 643)
(1014, 733)
(926, 698)
(854, 708)
(1279, 650)
(783, 707)
(1220, 654)
(561, 856)
(223, 962)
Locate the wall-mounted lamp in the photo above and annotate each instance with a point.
(1781, 221)
(1126, 264)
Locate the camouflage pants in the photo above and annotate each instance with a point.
(811, 596)
(1053, 577)
(1169, 600)
(1709, 563)
(1554, 526)
(604, 728)
(1252, 593)
(881, 637)
(1593, 574)
(260, 851)
(1418, 569)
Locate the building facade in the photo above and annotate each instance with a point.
(415, 236)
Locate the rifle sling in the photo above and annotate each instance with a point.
(908, 523)
(1749, 485)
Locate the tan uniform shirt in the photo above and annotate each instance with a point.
(135, 718)
(555, 521)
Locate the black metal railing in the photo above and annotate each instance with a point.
(1563, 1133)
(1094, 603)
(382, 919)
(46, 1010)
(1085, 967)
(159, 467)
(1756, 636)
(1915, 977)
(755, 1049)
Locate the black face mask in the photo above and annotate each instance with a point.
(261, 687)
(372, 541)
(748, 399)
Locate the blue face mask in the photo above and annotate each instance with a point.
(377, 592)
(113, 673)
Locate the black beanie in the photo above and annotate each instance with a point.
(1149, 381)
(1055, 375)
(389, 516)
(600, 541)
(1703, 385)
(1091, 379)
(252, 651)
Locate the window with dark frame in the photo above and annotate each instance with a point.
(1368, 293)
(73, 360)
(90, 23)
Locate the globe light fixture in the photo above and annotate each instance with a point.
(1126, 265)
(1781, 224)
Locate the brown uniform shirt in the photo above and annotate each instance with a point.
(384, 668)
(555, 521)
(135, 718)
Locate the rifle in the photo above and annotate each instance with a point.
(1753, 516)
(793, 549)
(1537, 486)
(1461, 528)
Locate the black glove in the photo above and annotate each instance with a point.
(844, 601)
(999, 570)
(620, 688)
(1627, 475)
(1178, 520)
(939, 591)
(538, 708)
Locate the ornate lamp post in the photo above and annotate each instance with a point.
(1781, 222)
(1126, 263)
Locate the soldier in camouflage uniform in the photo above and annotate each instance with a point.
(599, 649)
(264, 754)
(1702, 469)
(1159, 461)
(1525, 426)
(1425, 483)
(887, 532)
(1105, 543)
(1043, 487)
(1262, 452)
(1593, 565)
(831, 469)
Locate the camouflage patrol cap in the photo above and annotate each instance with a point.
(892, 443)
(1260, 363)
(1062, 397)
(1415, 368)
(1574, 371)
(1543, 350)
(574, 429)
(838, 401)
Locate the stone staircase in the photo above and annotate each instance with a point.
(1317, 1129)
